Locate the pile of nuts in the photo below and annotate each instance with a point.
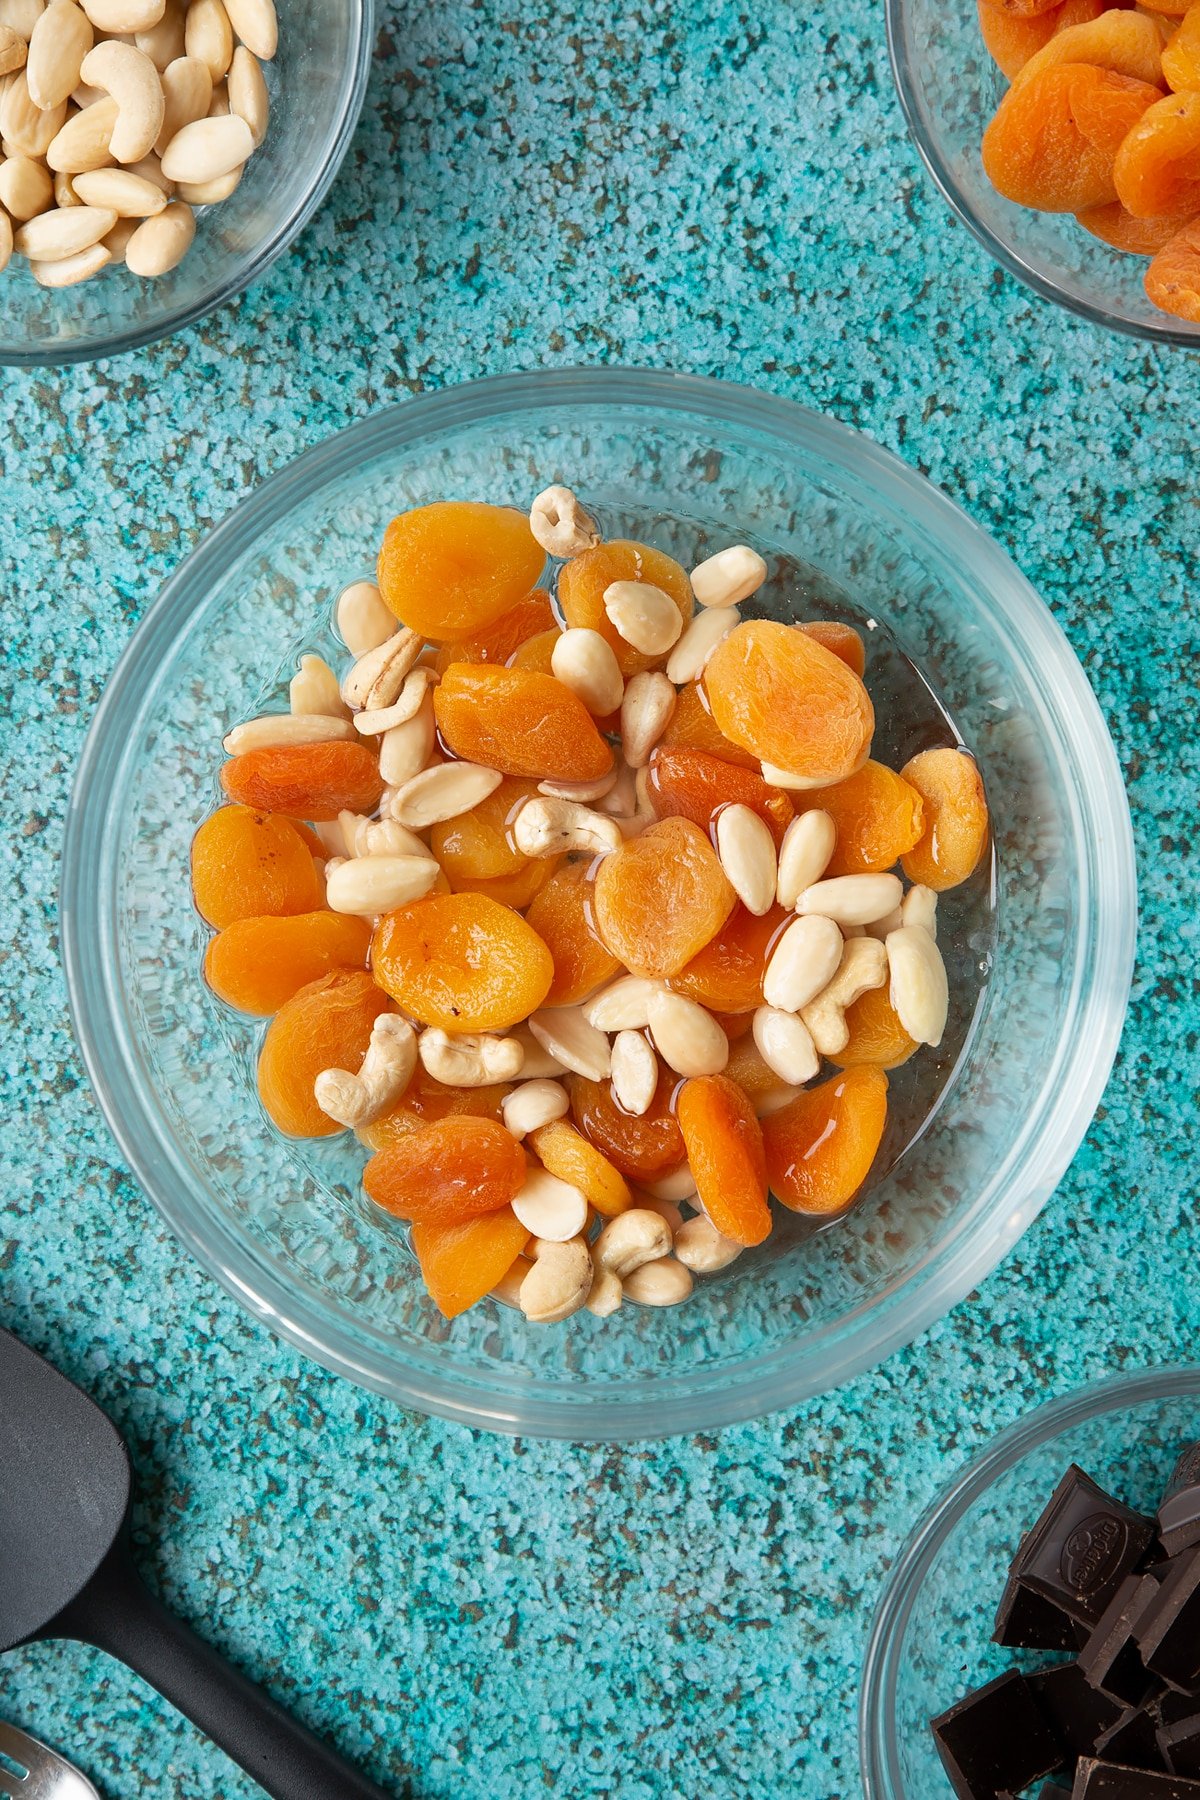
(117, 119)
(626, 887)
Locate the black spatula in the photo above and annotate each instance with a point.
(65, 1572)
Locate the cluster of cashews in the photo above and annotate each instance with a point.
(118, 118)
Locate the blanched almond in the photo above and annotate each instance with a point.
(804, 855)
(207, 148)
(688, 1038)
(747, 853)
(63, 232)
(444, 792)
(370, 885)
(690, 655)
(643, 615)
(160, 244)
(803, 963)
(919, 990)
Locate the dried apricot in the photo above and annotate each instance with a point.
(536, 653)
(246, 863)
(1173, 279)
(561, 1149)
(690, 784)
(1023, 9)
(747, 1068)
(582, 583)
(1054, 139)
(314, 781)
(1156, 171)
(727, 975)
(258, 964)
(876, 1034)
(878, 816)
(1127, 43)
(725, 1154)
(642, 1148)
(519, 722)
(461, 961)
(780, 694)
(462, 1263)
(1137, 237)
(451, 1170)
(453, 568)
(560, 915)
(692, 727)
(956, 818)
(1181, 57)
(845, 643)
(476, 844)
(497, 642)
(327, 1025)
(510, 890)
(425, 1100)
(661, 897)
(1012, 40)
(821, 1145)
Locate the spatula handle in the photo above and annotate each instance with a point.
(118, 1613)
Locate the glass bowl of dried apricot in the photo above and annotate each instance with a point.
(1063, 133)
(598, 903)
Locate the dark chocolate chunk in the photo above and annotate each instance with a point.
(1132, 1740)
(1075, 1712)
(996, 1740)
(1111, 1781)
(1110, 1659)
(1082, 1547)
(1053, 1791)
(1028, 1621)
(1168, 1634)
(1179, 1509)
(1180, 1745)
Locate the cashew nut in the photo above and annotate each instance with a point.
(379, 674)
(664, 1282)
(473, 1059)
(558, 1283)
(131, 79)
(864, 965)
(581, 791)
(378, 837)
(387, 1068)
(549, 827)
(631, 1239)
(606, 1293)
(560, 524)
(702, 1248)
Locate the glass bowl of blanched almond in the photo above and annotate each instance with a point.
(580, 900)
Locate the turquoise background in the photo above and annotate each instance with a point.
(720, 189)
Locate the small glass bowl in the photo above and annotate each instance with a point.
(949, 88)
(931, 1640)
(283, 1225)
(317, 83)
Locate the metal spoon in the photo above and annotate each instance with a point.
(47, 1776)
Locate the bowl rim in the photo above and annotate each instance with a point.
(877, 1738)
(755, 1385)
(945, 181)
(101, 346)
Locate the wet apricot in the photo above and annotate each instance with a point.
(560, 914)
(461, 961)
(725, 1154)
(1172, 281)
(876, 1034)
(246, 863)
(747, 1068)
(447, 1172)
(453, 568)
(497, 642)
(510, 890)
(727, 975)
(661, 897)
(878, 816)
(425, 1100)
(790, 701)
(642, 1148)
(955, 834)
(820, 1146)
(690, 784)
(476, 845)
(1137, 237)
(327, 1025)
(1127, 43)
(692, 727)
(1156, 170)
(1054, 139)
(314, 781)
(583, 580)
(845, 643)
(462, 1263)
(536, 653)
(258, 964)
(562, 1150)
(519, 722)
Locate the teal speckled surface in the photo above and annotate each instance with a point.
(722, 189)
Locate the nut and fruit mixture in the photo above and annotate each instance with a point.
(118, 118)
(583, 904)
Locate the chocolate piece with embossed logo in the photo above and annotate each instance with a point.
(996, 1741)
(1169, 1634)
(1179, 1508)
(1110, 1781)
(1082, 1547)
(1110, 1659)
